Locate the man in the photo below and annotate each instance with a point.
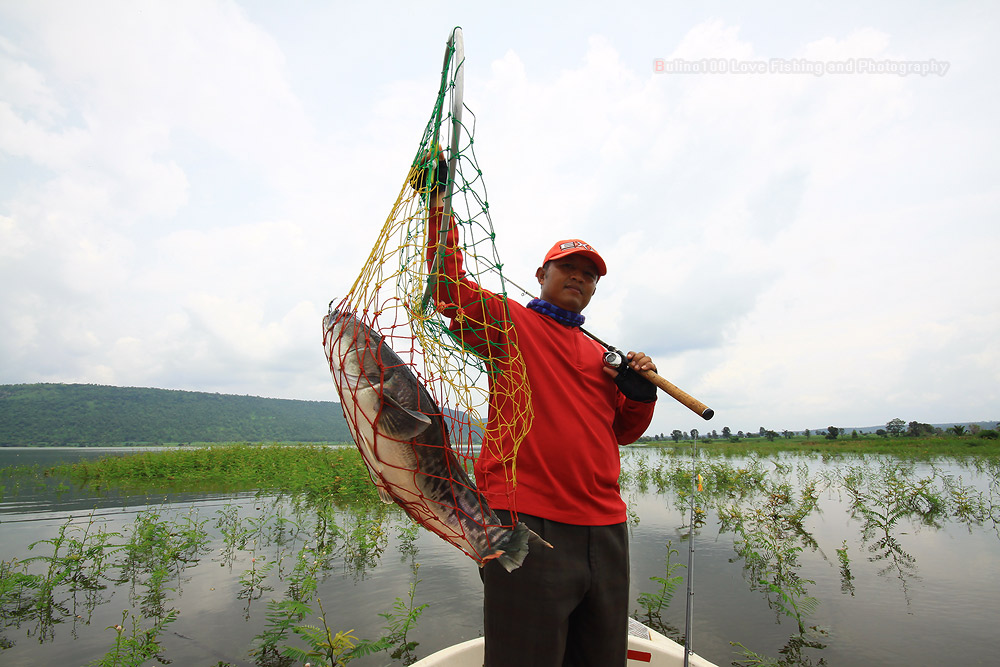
(567, 605)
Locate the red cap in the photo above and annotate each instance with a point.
(576, 246)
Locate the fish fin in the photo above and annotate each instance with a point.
(383, 493)
(535, 538)
(516, 549)
(401, 422)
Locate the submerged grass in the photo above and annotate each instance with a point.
(337, 473)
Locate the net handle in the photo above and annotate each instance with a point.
(454, 52)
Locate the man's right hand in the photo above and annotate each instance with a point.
(439, 174)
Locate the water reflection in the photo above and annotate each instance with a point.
(799, 560)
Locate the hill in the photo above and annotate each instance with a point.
(77, 414)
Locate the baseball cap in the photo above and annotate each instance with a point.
(576, 246)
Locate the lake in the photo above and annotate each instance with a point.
(852, 560)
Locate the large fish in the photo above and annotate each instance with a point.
(403, 440)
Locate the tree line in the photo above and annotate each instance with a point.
(894, 428)
(83, 415)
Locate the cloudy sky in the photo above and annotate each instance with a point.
(798, 202)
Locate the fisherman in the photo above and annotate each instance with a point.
(567, 605)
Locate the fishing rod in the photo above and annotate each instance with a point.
(615, 357)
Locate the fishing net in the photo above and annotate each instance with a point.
(398, 295)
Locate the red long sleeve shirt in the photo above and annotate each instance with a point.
(568, 464)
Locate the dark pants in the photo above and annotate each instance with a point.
(564, 607)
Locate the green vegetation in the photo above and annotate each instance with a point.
(337, 521)
(61, 414)
(337, 473)
(147, 562)
(656, 602)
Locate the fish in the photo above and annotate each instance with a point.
(404, 441)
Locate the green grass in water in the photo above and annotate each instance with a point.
(336, 472)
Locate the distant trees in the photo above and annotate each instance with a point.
(895, 427)
(916, 429)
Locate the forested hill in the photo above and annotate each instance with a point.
(84, 414)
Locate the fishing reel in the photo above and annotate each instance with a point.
(631, 383)
(614, 358)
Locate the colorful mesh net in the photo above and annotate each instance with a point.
(396, 295)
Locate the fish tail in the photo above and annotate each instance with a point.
(516, 549)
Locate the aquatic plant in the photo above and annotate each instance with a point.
(329, 648)
(846, 577)
(399, 621)
(654, 603)
(136, 646)
(283, 615)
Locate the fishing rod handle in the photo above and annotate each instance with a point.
(680, 395)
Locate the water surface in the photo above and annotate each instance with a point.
(923, 590)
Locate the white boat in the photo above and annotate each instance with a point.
(645, 647)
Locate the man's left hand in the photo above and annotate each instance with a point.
(630, 380)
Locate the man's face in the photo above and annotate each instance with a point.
(568, 282)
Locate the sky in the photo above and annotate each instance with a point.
(797, 202)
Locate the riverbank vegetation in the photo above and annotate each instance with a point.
(335, 473)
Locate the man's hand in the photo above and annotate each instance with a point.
(438, 174)
(629, 377)
(638, 361)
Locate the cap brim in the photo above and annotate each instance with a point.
(602, 268)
